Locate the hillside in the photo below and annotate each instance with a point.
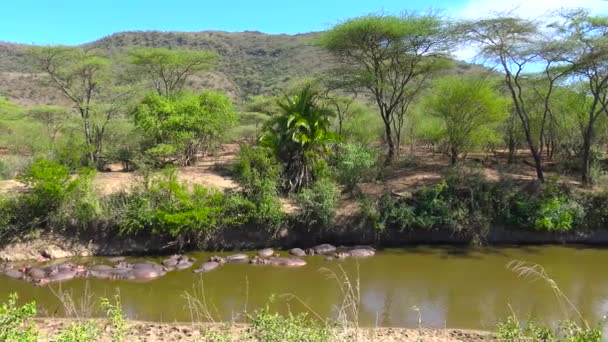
(251, 62)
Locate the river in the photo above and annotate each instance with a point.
(442, 286)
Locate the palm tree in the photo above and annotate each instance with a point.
(300, 137)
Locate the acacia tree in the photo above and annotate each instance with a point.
(178, 127)
(589, 38)
(390, 57)
(52, 117)
(518, 46)
(168, 69)
(468, 108)
(80, 75)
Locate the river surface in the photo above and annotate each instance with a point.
(443, 286)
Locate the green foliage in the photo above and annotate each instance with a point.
(117, 318)
(49, 183)
(269, 327)
(363, 126)
(513, 331)
(389, 57)
(551, 209)
(300, 138)
(469, 110)
(318, 203)
(13, 321)
(354, 163)
(11, 166)
(258, 172)
(169, 208)
(169, 69)
(179, 127)
(80, 332)
(81, 206)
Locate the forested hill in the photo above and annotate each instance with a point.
(251, 63)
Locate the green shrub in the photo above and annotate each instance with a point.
(258, 173)
(166, 207)
(318, 203)
(11, 166)
(269, 327)
(13, 321)
(567, 331)
(117, 318)
(353, 163)
(80, 207)
(80, 332)
(49, 183)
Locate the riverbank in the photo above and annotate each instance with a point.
(45, 246)
(48, 329)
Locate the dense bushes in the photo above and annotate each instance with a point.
(466, 204)
(259, 172)
(318, 203)
(166, 207)
(13, 320)
(353, 163)
(160, 206)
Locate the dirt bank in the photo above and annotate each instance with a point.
(153, 332)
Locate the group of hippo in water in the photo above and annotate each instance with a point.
(41, 275)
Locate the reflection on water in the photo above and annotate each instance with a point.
(453, 287)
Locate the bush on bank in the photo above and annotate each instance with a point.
(466, 204)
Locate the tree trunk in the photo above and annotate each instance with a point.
(512, 150)
(586, 157)
(389, 141)
(538, 164)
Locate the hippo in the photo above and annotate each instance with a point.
(15, 274)
(118, 272)
(237, 258)
(147, 273)
(101, 274)
(297, 252)
(218, 259)
(266, 253)
(322, 249)
(115, 260)
(171, 262)
(36, 273)
(207, 267)
(361, 253)
(184, 264)
(63, 275)
(289, 262)
(147, 264)
(102, 268)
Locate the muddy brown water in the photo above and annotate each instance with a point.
(443, 286)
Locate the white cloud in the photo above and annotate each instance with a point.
(531, 9)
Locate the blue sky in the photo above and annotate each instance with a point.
(80, 21)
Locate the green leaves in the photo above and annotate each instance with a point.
(177, 127)
(13, 319)
(299, 136)
(169, 69)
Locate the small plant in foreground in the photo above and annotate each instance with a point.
(117, 318)
(13, 318)
(269, 327)
(80, 332)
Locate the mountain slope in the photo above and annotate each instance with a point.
(251, 63)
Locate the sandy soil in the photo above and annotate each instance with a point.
(154, 332)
